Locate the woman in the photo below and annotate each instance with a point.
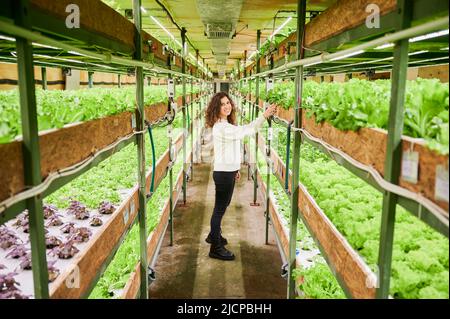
(221, 117)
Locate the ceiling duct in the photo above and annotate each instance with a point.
(220, 19)
(219, 30)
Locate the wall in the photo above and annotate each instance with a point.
(9, 77)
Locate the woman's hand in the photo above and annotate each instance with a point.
(271, 110)
(238, 175)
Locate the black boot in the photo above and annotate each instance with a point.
(220, 252)
(223, 240)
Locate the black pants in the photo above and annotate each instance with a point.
(224, 182)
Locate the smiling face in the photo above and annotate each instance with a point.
(225, 108)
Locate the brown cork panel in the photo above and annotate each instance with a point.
(133, 284)
(342, 16)
(440, 72)
(155, 112)
(11, 172)
(368, 146)
(132, 287)
(346, 261)
(95, 16)
(284, 114)
(279, 167)
(9, 71)
(100, 247)
(180, 101)
(428, 161)
(67, 146)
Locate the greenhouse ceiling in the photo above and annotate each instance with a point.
(238, 21)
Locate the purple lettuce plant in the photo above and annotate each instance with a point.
(8, 287)
(80, 235)
(68, 228)
(96, 221)
(53, 272)
(78, 210)
(65, 250)
(54, 220)
(18, 251)
(49, 211)
(25, 262)
(52, 242)
(106, 208)
(7, 238)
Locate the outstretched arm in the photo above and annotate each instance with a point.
(234, 133)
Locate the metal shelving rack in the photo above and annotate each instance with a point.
(19, 23)
(406, 20)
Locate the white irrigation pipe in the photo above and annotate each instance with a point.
(392, 37)
(437, 211)
(108, 58)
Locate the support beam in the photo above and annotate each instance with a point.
(245, 61)
(44, 77)
(90, 79)
(140, 141)
(394, 149)
(255, 180)
(31, 153)
(183, 71)
(170, 134)
(301, 17)
(191, 126)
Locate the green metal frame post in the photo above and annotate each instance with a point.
(192, 127)
(269, 172)
(250, 112)
(183, 98)
(394, 149)
(44, 77)
(119, 84)
(140, 141)
(256, 108)
(31, 153)
(170, 128)
(301, 17)
(90, 79)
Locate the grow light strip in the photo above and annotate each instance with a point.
(279, 28)
(416, 39)
(373, 61)
(71, 60)
(167, 31)
(2, 37)
(429, 36)
(347, 55)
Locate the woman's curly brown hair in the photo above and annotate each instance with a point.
(212, 113)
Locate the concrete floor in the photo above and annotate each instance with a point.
(185, 270)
